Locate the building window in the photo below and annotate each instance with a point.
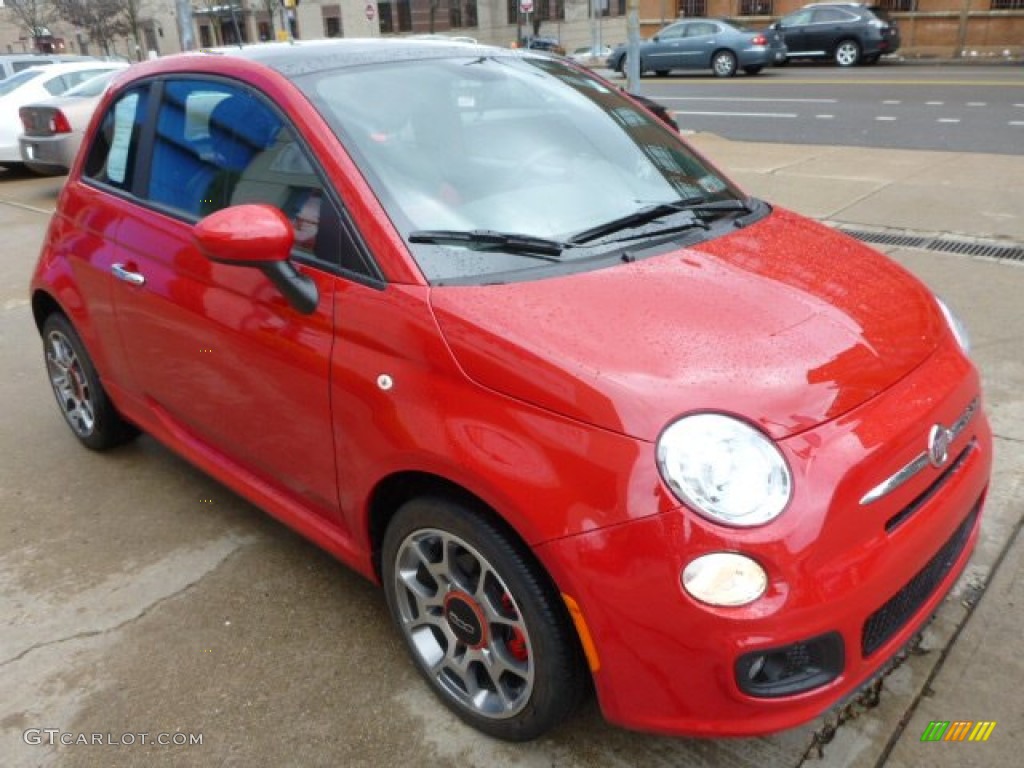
(462, 13)
(545, 10)
(691, 8)
(404, 13)
(1007, 5)
(756, 8)
(205, 37)
(900, 5)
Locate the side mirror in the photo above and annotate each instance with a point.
(259, 236)
(776, 25)
(656, 39)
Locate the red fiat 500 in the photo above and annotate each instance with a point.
(492, 334)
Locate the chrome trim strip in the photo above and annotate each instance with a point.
(920, 461)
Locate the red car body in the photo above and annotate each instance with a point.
(543, 400)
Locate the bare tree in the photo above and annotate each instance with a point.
(103, 20)
(34, 15)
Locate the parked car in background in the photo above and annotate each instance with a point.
(53, 128)
(846, 33)
(724, 47)
(478, 325)
(12, 63)
(591, 53)
(36, 84)
(549, 44)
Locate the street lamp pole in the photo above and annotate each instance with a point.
(183, 15)
(633, 48)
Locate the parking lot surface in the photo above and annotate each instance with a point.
(137, 596)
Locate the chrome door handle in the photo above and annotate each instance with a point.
(128, 276)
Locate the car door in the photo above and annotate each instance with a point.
(794, 31)
(700, 42)
(214, 351)
(828, 26)
(664, 51)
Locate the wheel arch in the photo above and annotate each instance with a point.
(44, 305)
(396, 489)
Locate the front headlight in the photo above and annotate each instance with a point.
(956, 325)
(725, 469)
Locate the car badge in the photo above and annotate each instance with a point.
(938, 445)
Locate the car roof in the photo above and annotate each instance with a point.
(309, 56)
(63, 66)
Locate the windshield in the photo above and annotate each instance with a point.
(16, 81)
(503, 145)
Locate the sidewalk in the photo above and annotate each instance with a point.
(971, 668)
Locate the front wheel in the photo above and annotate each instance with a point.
(723, 63)
(847, 53)
(481, 620)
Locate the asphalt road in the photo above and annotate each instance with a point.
(901, 106)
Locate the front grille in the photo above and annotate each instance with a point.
(898, 610)
(904, 514)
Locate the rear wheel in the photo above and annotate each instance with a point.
(723, 63)
(83, 402)
(847, 53)
(873, 59)
(661, 72)
(481, 620)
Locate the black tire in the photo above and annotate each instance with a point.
(846, 53)
(83, 402)
(723, 63)
(484, 590)
(661, 72)
(752, 70)
(873, 59)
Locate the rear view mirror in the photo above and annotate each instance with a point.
(258, 236)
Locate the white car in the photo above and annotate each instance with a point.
(600, 52)
(35, 84)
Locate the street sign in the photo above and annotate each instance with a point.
(526, 6)
(371, 11)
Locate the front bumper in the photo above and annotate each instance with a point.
(836, 568)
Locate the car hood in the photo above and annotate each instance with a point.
(786, 323)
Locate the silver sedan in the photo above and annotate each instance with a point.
(54, 128)
(721, 46)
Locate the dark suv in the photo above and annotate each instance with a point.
(847, 33)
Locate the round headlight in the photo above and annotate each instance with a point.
(724, 578)
(725, 469)
(956, 325)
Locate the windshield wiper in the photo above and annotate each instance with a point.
(697, 206)
(486, 239)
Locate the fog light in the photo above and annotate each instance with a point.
(725, 579)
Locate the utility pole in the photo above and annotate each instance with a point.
(183, 14)
(633, 48)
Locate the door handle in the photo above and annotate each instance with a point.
(127, 275)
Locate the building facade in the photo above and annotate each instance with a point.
(928, 27)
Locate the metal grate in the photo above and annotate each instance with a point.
(941, 244)
(901, 607)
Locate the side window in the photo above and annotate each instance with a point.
(111, 158)
(797, 19)
(831, 16)
(217, 145)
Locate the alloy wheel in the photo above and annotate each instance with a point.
(463, 624)
(70, 384)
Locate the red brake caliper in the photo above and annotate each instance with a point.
(516, 643)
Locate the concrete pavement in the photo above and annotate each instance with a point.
(138, 595)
